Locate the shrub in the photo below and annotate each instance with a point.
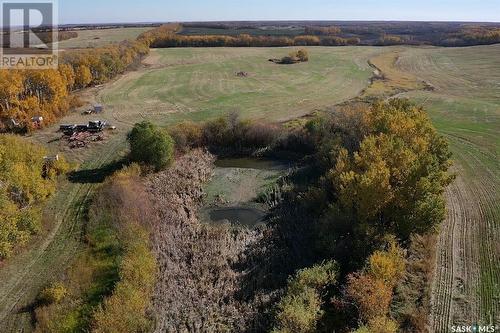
(388, 266)
(382, 325)
(216, 132)
(303, 55)
(110, 283)
(187, 135)
(300, 309)
(151, 145)
(238, 135)
(53, 294)
(372, 296)
(125, 310)
(299, 312)
(362, 329)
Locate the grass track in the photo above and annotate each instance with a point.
(46, 259)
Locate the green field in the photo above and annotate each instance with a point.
(100, 37)
(201, 83)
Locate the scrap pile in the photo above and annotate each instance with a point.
(79, 136)
(82, 139)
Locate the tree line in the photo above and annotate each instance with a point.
(473, 36)
(313, 30)
(25, 94)
(47, 37)
(166, 36)
(384, 34)
(108, 287)
(374, 194)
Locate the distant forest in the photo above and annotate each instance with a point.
(368, 33)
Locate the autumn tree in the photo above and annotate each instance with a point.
(395, 181)
(22, 191)
(372, 289)
(303, 55)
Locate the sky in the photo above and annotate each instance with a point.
(114, 11)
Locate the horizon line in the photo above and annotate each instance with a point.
(281, 20)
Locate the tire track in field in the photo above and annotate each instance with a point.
(466, 275)
(466, 285)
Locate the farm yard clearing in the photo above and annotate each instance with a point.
(200, 84)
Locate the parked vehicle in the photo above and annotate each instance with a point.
(93, 127)
(68, 129)
(96, 126)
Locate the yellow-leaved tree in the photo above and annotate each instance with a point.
(23, 190)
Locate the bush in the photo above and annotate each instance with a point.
(125, 310)
(299, 313)
(231, 133)
(382, 325)
(187, 135)
(109, 285)
(300, 309)
(372, 296)
(53, 294)
(151, 145)
(303, 55)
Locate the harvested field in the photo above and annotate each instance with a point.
(200, 83)
(388, 80)
(101, 37)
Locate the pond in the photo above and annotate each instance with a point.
(252, 163)
(245, 216)
(237, 182)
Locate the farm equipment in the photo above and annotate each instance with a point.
(68, 129)
(92, 127)
(96, 126)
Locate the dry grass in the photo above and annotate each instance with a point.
(389, 80)
(199, 276)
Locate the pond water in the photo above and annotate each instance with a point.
(252, 163)
(237, 182)
(245, 216)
